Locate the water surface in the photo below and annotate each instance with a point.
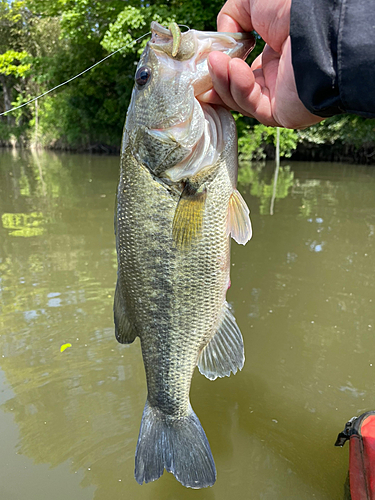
(302, 292)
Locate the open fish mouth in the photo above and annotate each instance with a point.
(170, 40)
(190, 49)
(161, 35)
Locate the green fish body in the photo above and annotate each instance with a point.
(173, 226)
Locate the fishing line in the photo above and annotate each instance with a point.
(70, 79)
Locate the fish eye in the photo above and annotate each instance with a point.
(142, 75)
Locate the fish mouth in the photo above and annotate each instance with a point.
(179, 46)
(188, 52)
(196, 45)
(162, 35)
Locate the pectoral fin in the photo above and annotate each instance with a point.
(188, 218)
(238, 222)
(224, 353)
(124, 331)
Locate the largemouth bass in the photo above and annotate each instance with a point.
(177, 205)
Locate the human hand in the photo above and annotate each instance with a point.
(266, 90)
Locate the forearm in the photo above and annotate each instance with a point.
(333, 55)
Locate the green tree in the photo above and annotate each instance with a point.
(252, 139)
(44, 43)
(92, 109)
(27, 45)
(12, 53)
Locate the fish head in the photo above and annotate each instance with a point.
(165, 121)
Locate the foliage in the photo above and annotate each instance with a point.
(119, 34)
(348, 129)
(11, 63)
(250, 143)
(65, 37)
(5, 133)
(44, 43)
(253, 137)
(134, 21)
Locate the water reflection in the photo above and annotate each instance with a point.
(261, 184)
(302, 292)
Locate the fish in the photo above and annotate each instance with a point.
(177, 208)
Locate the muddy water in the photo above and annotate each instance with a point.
(302, 291)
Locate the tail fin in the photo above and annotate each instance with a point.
(177, 444)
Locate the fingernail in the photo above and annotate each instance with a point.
(204, 97)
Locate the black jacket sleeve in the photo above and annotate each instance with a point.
(333, 55)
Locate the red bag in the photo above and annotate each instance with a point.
(361, 434)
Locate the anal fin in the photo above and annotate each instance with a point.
(238, 222)
(124, 331)
(224, 354)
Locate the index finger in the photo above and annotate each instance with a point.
(235, 17)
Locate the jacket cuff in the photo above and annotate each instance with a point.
(333, 55)
(314, 27)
